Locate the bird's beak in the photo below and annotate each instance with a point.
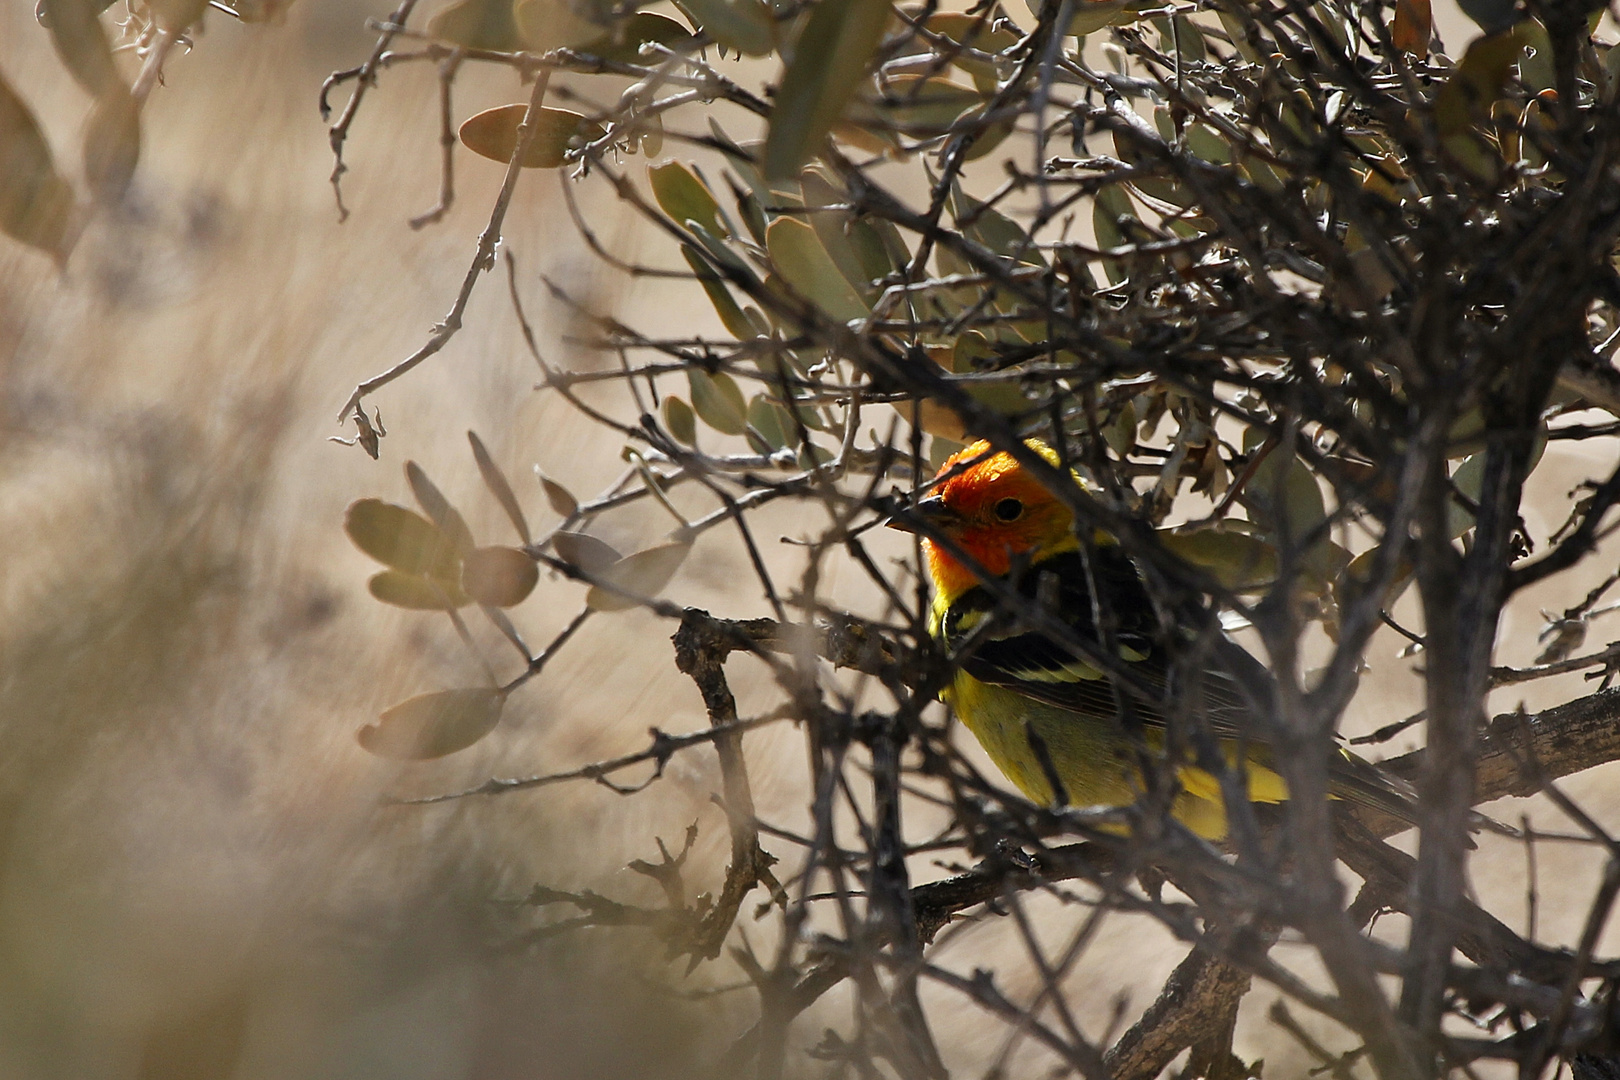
(931, 511)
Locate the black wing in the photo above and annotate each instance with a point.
(1056, 673)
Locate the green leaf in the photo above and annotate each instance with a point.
(402, 539)
(714, 286)
(433, 725)
(495, 480)
(624, 44)
(477, 24)
(829, 65)
(806, 267)
(1478, 80)
(36, 204)
(679, 420)
(832, 228)
(744, 25)
(1283, 491)
(1110, 205)
(438, 508)
(1237, 560)
(493, 133)
(718, 401)
(643, 574)
(1467, 478)
(561, 24)
(684, 197)
(498, 576)
(772, 422)
(415, 592)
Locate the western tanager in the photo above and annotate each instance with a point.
(1014, 679)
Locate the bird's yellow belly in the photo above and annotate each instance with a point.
(1090, 755)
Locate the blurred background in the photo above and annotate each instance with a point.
(200, 873)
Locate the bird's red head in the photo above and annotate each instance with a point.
(996, 511)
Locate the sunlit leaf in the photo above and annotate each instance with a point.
(832, 228)
(438, 508)
(679, 420)
(498, 576)
(829, 65)
(623, 44)
(718, 401)
(493, 133)
(683, 196)
(36, 204)
(1237, 560)
(416, 592)
(498, 486)
(744, 25)
(805, 266)
(772, 422)
(560, 24)
(974, 32)
(584, 551)
(643, 574)
(433, 725)
(714, 287)
(477, 24)
(401, 538)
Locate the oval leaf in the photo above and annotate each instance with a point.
(805, 265)
(561, 499)
(560, 24)
(718, 401)
(585, 552)
(433, 725)
(438, 508)
(683, 196)
(401, 538)
(643, 574)
(624, 44)
(679, 420)
(477, 24)
(498, 576)
(493, 133)
(744, 25)
(828, 66)
(414, 592)
(1237, 560)
(36, 204)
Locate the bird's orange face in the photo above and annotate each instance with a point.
(995, 510)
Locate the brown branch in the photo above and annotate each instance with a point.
(1201, 994)
(701, 647)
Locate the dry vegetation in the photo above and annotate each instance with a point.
(201, 873)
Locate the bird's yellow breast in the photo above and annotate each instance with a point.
(1092, 757)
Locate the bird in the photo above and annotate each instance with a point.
(1042, 711)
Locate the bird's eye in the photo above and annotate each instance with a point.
(1009, 509)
